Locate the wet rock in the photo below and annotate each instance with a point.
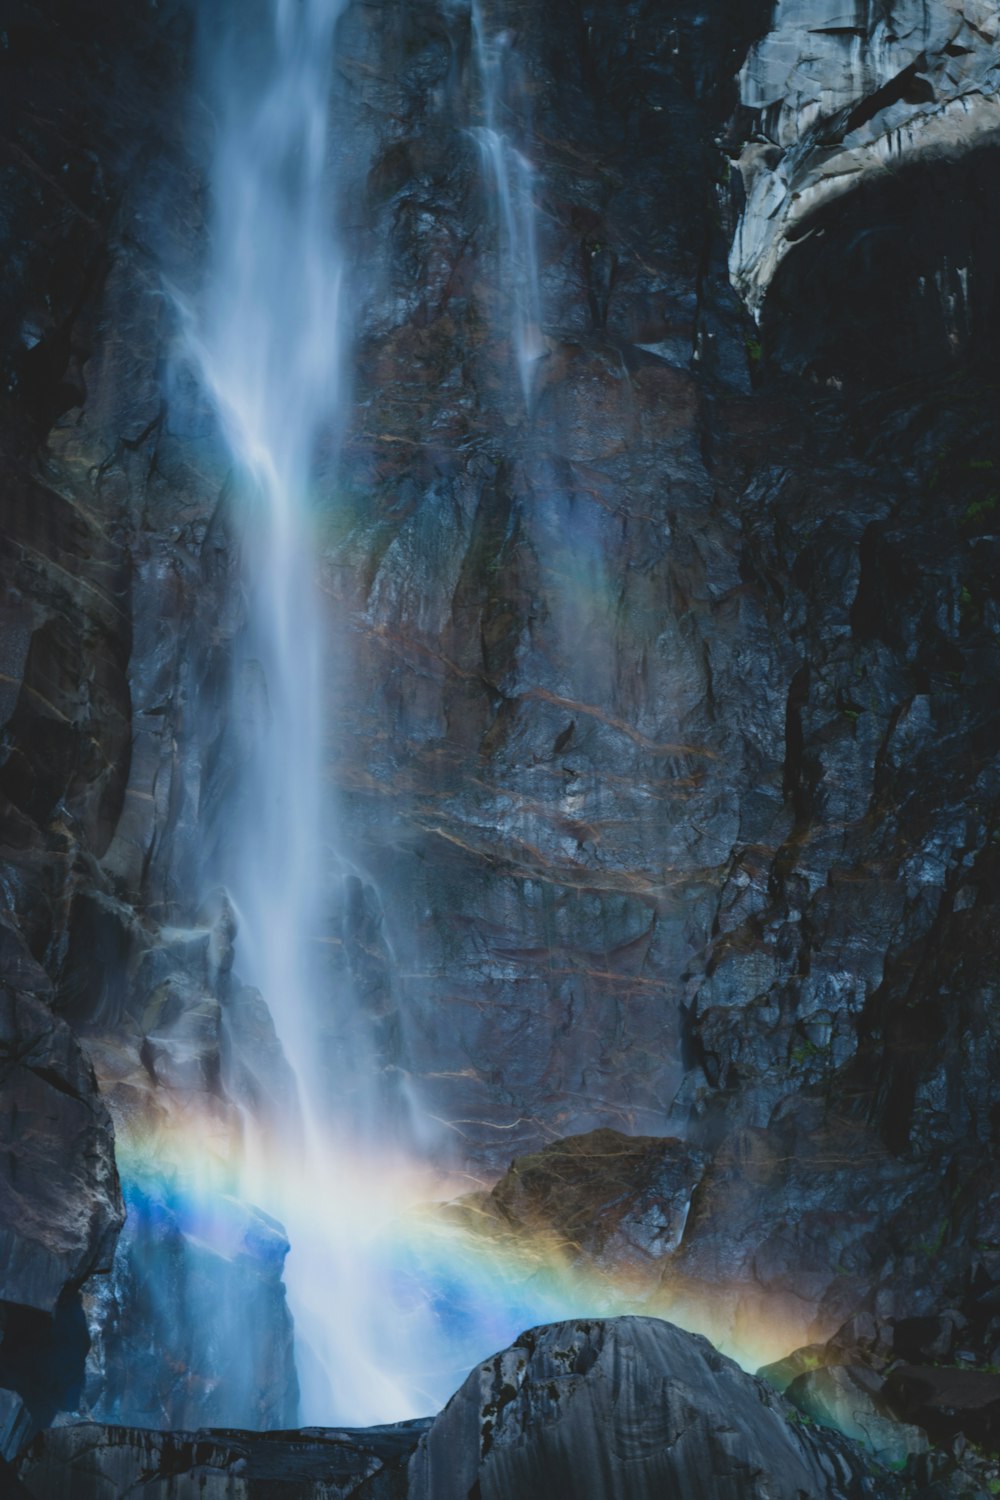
(15, 1424)
(181, 1046)
(90, 1460)
(948, 1401)
(617, 1202)
(60, 1203)
(864, 1343)
(631, 1407)
(764, 1236)
(218, 916)
(197, 1278)
(781, 1372)
(254, 1063)
(849, 1399)
(841, 93)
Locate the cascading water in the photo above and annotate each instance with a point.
(268, 345)
(511, 178)
(385, 1324)
(391, 1307)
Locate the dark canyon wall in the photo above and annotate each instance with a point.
(664, 721)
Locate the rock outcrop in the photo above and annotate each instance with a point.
(797, 1232)
(90, 1462)
(838, 93)
(619, 1410)
(619, 1204)
(60, 1203)
(624, 1410)
(849, 1399)
(666, 716)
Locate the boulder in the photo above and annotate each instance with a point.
(948, 1401)
(618, 1202)
(849, 1399)
(625, 1409)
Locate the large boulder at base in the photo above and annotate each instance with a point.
(626, 1409)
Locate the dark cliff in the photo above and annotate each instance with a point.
(667, 717)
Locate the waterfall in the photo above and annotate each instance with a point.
(510, 176)
(385, 1328)
(268, 344)
(392, 1303)
(269, 351)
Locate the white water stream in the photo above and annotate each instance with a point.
(511, 179)
(269, 347)
(268, 343)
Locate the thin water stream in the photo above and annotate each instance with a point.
(510, 178)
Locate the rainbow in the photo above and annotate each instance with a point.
(454, 1285)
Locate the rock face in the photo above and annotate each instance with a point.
(116, 565)
(60, 1204)
(949, 1401)
(620, 1203)
(839, 93)
(619, 1410)
(89, 1462)
(666, 713)
(624, 1410)
(509, 598)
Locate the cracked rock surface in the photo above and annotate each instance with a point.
(624, 1409)
(840, 91)
(667, 719)
(60, 1203)
(629, 1409)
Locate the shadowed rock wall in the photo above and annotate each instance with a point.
(664, 721)
(598, 1411)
